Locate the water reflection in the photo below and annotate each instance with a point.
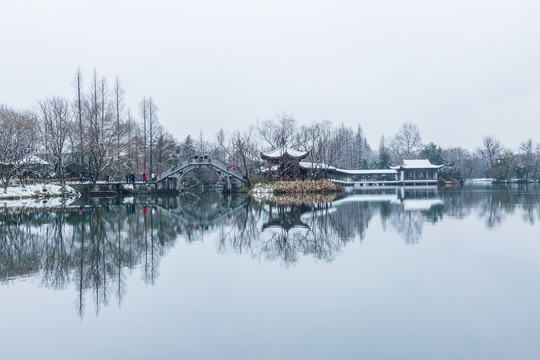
(91, 247)
(95, 246)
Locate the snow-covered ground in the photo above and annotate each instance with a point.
(486, 180)
(36, 195)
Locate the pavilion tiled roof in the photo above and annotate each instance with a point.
(416, 164)
(278, 153)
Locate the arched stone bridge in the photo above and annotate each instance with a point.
(172, 178)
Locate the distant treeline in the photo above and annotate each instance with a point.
(94, 134)
(347, 148)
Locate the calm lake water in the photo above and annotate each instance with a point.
(382, 274)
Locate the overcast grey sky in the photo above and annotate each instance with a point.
(458, 69)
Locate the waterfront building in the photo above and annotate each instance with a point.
(413, 171)
(284, 164)
(288, 164)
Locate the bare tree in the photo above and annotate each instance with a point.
(79, 113)
(118, 93)
(537, 162)
(102, 133)
(345, 136)
(220, 149)
(243, 154)
(527, 160)
(360, 148)
(324, 145)
(54, 123)
(460, 161)
(407, 142)
(152, 124)
(130, 137)
(144, 116)
(166, 149)
(278, 133)
(489, 153)
(16, 142)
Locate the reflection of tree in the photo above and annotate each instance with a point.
(492, 214)
(493, 203)
(242, 230)
(409, 224)
(57, 263)
(91, 247)
(434, 214)
(20, 250)
(385, 213)
(352, 219)
(531, 208)
(498, 203)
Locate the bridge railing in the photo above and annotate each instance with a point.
(171, 170)
(212, 162)
(224, 168)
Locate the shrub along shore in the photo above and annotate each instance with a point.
(306, 187)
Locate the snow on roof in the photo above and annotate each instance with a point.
(322, 166)
(33, 159)
(368, 172)
(316, 166)
(283, 150)
(416, 164)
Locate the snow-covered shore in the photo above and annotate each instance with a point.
(36, 195)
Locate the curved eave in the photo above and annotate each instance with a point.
(430, 167)
(368, 172)
(278, 154)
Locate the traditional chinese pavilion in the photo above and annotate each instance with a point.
(284, 164)
(413, 171)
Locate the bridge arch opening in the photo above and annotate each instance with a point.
(229, 179)
(223, 179)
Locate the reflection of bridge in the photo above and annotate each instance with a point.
(206, 214)
(172, 178)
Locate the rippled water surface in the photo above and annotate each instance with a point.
(398, 273)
